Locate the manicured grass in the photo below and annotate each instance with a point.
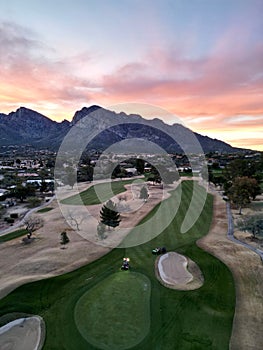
(12, 235)
(185, 173)
(199, 319)
(44, 210)
(89, 196)
(122, 300)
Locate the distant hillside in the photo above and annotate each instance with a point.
(26, 126)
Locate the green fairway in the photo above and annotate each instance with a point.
(12, 235)
(89, 196)
(200, 319)
(121, 305)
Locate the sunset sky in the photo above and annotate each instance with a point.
(201, 60)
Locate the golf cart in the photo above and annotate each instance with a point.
(159, 250)
(125, 264)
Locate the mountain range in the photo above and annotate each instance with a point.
(28, 127)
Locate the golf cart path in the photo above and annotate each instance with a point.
(26, 215)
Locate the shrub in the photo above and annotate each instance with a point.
(33, 202)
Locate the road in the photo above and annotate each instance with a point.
(26, 215)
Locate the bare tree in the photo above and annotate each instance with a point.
(74, 220)
(32, 224)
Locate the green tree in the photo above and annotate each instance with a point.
(239, 168)
(242, 190)
(255, 188)
(64, 239)
(144, 193)
(52, 187)
(253, 224)
(43, 186)
(70, 177)
(139, 165)
(33, 202)
(109, 215)
(101, 228)
(2, 211)
(21, 192)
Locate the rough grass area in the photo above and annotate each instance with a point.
(44, 210)
(12, 235)
(89, 196)
(185, 320)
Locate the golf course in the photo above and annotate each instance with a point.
(98, 306)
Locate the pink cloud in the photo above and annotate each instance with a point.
(28, 76)
(227, 82)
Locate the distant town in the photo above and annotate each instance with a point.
(27, 175)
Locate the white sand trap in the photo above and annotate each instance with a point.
(173, 269)
(23, 334)
(178, 272)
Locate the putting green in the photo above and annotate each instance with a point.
(115, 313)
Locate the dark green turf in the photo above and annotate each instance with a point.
(44, 210)
(12, 235)
(192, 320)
(89, 196)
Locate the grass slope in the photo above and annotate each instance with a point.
(89, 196)
(13, 235)
(44, 210)
(200, 319)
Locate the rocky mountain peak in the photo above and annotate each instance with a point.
(83, 113)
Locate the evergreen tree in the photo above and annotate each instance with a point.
(64, 238)
(144, 193)
(109, 215)
(70, 177)
(139, 164)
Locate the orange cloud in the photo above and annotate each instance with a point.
(213, 94)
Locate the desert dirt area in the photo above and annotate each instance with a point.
(255, 208)
(22, 263)
(247, 269)
(43, 258)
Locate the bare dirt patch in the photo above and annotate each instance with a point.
(247, 269)
(254, 208)
(22, 263)
(176, 271)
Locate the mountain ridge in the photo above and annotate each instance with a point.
(26, 126)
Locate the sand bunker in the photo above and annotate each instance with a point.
(176, 271)
(23, 334)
